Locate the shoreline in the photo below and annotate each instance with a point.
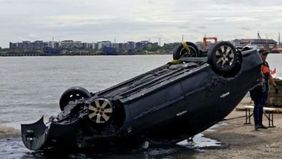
(27, 55)
(20, 55)
(238, 140)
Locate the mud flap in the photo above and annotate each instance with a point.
(34, 135)
(38, 136)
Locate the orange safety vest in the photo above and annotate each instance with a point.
(265, 70)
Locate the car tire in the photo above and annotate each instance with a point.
(186, 49)
(100, 111)
(104, 115)
(224, 59)
(73, 94)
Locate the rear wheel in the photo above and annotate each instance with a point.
(185, 49)
(73, 94)
(224, 59)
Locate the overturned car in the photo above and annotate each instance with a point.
(165, 105)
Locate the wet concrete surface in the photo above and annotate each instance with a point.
(14, 148)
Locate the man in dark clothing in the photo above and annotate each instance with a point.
(259, 94)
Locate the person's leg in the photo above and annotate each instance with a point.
(260, 115)
(256, 113)
(262, 103)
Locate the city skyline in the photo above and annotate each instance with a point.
(38, 44)
(138, 20)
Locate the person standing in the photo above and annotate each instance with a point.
(259, 94)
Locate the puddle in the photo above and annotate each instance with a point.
(14, 148)
(199, 141)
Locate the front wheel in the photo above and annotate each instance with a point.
(185, 49)
(100, 110)
(224, 59)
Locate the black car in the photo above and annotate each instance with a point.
(165, 105)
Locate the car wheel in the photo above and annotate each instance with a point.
(73, 94)
(100, 110)
(185, 49)
(224, 59)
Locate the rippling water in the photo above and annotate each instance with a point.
(31, 87)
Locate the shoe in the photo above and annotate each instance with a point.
(257, 127)
(260, 127)
(263, 127)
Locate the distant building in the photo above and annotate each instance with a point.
(67, 44)
(131, 45)
(260, 43)
(102, 44)
(93, 45)
(39, 45)
(28, 45)
(79, 47)
(88, 45)
(116, 45)
(141, 44)
(13, 45)
(109, 51)
(121, 46)
(56, 44)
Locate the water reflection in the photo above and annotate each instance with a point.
(151, 153)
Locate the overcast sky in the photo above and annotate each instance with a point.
(134, 20)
